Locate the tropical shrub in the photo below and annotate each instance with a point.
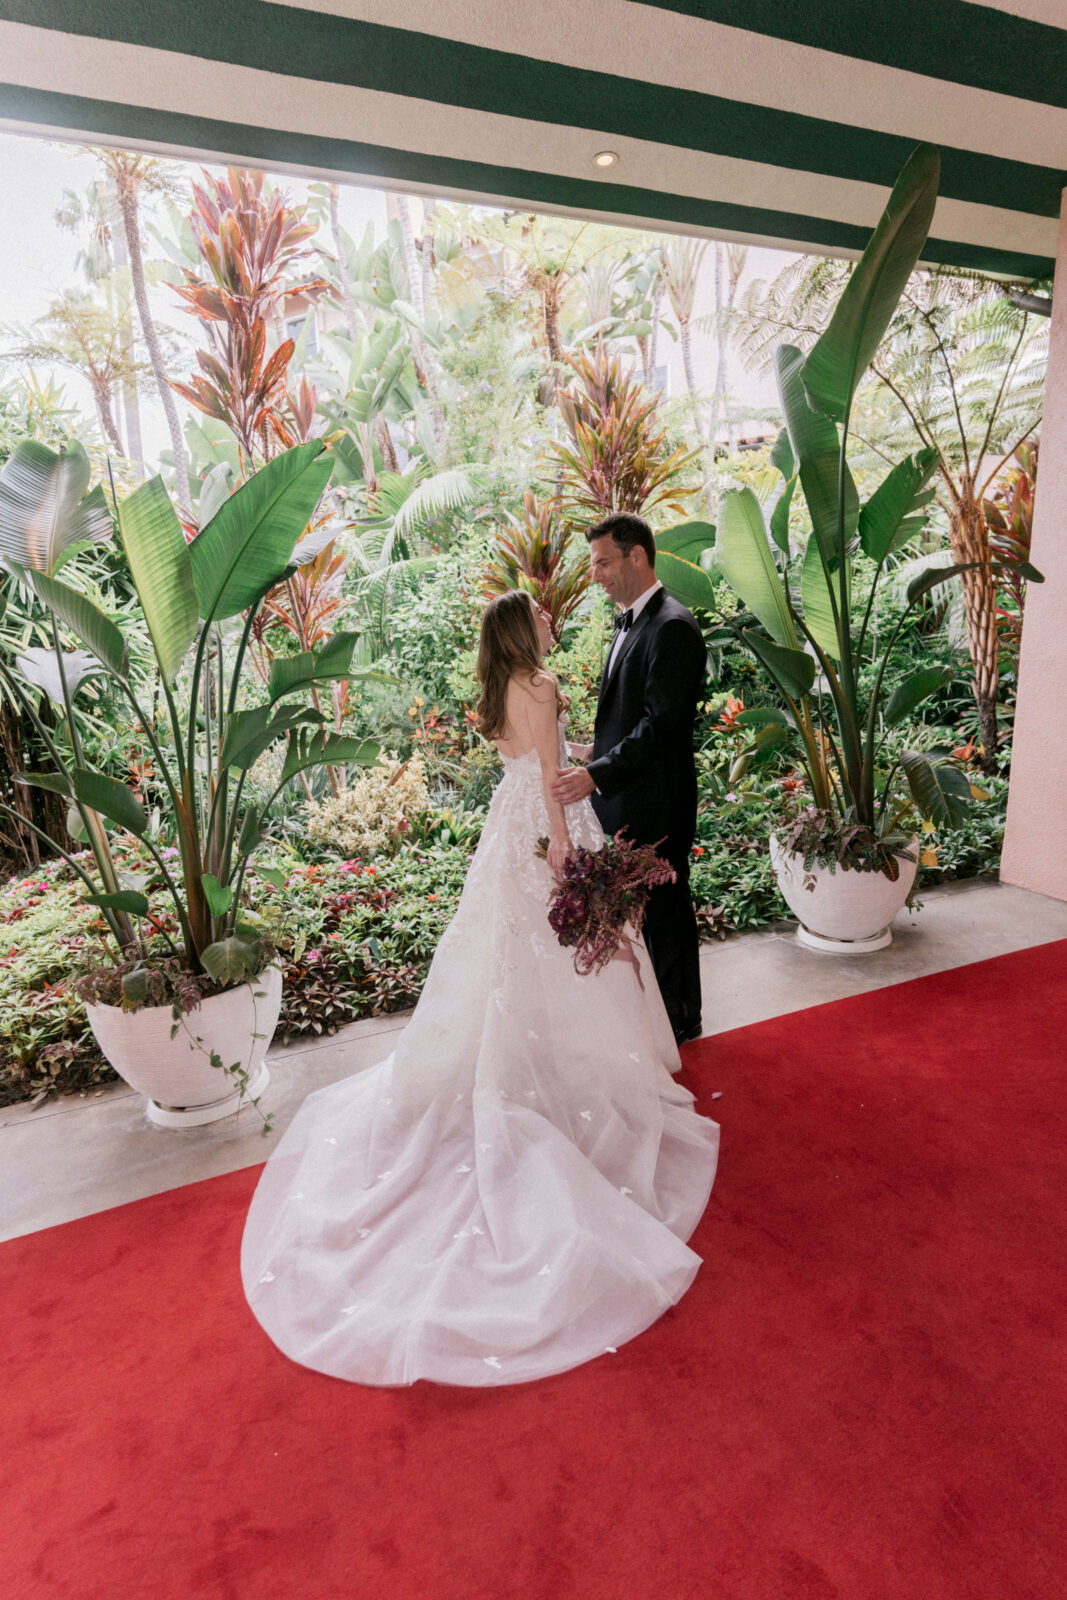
(535, 552)
(1009, 517)
(436, 622)
(249, 239)
(356, 938)
(814, 621)
(618, 457)
(959, 372)
(372, 815)
(45, 1041)
(204, 745)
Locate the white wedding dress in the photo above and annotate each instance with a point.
(509, 1193)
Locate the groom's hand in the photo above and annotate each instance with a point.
(571, 784)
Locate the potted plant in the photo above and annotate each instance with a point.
(846, 864)
(187, 1000)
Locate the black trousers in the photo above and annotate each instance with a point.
(670, 930)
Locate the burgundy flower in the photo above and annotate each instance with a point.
(601, 893)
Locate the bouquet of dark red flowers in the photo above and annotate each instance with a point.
(600, 894)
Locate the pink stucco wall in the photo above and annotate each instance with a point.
(1035, 844)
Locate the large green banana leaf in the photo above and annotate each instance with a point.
(306, 750)
(940, 791)
(792, 670)
(687, 539)
(815, 598)
(923, 582)
(685, 581)
(782, 454)
(683, 556)
(247, 544)
(910, 694)
(250, 733)
(44, 509)
(322, 666)
(111, 799)
(162, 573)
(348, 464)
(42, 668)
(816, 446)
(778, 521)
(842, 355)
(900, 492)
(743, 556)
(90, 624)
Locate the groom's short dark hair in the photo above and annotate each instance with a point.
(627, 530)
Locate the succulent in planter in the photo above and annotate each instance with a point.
(198, 602)
(805, 621)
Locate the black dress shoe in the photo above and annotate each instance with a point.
(686, 1034)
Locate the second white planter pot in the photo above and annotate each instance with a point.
(847, 912)
(184, 1090)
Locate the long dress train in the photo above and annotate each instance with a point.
(509, 1193)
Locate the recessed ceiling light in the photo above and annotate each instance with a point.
(605, 158)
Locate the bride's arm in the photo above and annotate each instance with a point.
(540, 700)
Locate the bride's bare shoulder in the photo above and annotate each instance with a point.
(537, 686)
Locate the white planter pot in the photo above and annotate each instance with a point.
(846, 912)
(184, 1090)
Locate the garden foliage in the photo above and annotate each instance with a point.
(474, 395)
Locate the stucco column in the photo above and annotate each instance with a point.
(1035, 842)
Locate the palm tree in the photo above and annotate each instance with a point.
(104, 264)
(346, 298)
(729, 264)
(399, 211)
(967, 367)
(80, 334)
(393, 547)
(682, 261)
(133, 175)
(552, 253)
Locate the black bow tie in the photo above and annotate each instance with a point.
(623, 622)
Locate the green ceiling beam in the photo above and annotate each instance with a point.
(319, 46)
(975, 45)
(103, 120)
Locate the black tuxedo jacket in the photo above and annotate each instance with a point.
(643, 764)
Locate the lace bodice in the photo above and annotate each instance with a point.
(529, 756)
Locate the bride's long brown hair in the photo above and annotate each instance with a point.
(508, 647)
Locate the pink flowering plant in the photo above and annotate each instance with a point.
(599, 895)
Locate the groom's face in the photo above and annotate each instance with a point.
(622, 578)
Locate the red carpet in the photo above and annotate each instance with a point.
(863, 1396)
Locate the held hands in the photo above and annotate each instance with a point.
(571, 784)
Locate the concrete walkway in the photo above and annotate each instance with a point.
(75, 1156)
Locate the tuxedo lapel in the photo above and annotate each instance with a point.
(604, 673)
(611, 670)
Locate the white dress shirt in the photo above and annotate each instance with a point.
(636, 607)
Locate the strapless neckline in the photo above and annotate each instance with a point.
(561, 723)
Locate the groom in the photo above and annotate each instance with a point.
(642, 775)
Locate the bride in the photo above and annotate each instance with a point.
(510, 1192)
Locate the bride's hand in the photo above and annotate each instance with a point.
(558, 851)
